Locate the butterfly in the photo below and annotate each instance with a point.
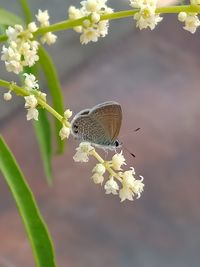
(99, 125)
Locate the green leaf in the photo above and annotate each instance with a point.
(55, 91)
(43, 133)
(8, 18)
(36, 229)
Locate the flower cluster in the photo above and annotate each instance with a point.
(93, 27)
(31, 102)
(131, 186)
(65, 130)
(21, 50)
(146, 17)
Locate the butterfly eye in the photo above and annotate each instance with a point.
(116, 143)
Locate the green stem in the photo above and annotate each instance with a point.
(23, 92)
(68, 24)
(26, 10)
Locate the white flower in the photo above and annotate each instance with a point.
(97, 178)
(131, 186)
(99, 168)
(30, 81)
(43, 17)
(138, 187)
(89, 35)
(146, 17)
(30, 101)
(91, 5)
(48, 38)
(67, 114)
(83, 152)
(195, 2)
(7, 96)
(64, 132)
(95, 17)
(191, 22)
(32, 113)
(12, 59)
(117, 161)
(182, 16)
(32, 27)
(91, 29)
(111, 187)
(74, 13)
(12, 33)
(126, 193)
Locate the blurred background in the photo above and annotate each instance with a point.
(155, 77)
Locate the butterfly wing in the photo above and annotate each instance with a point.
(109, 116)
(86, 128)
(99, 125)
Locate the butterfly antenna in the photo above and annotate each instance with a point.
(133, 155)
(136, 130)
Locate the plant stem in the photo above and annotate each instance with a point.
(26, 10)
(23, 92)
(67, 24)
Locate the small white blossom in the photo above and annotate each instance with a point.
(111, 187)
(191, 20)
(146, 17)
(82, 152)
(67, 114)
(48, 38)
(117, 161)
(30, 101)
(99, 168)
(32, 27)
(32, 113)
(138, 187)
(89, 35)
(95, 17)
(64, 132)
(74, 13)
(43, 17)
(131, 186)
(126, 193)
(182, 16)
(97, 178)
(30, 81)
(7, 96)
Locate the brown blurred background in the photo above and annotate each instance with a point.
(155, 76)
